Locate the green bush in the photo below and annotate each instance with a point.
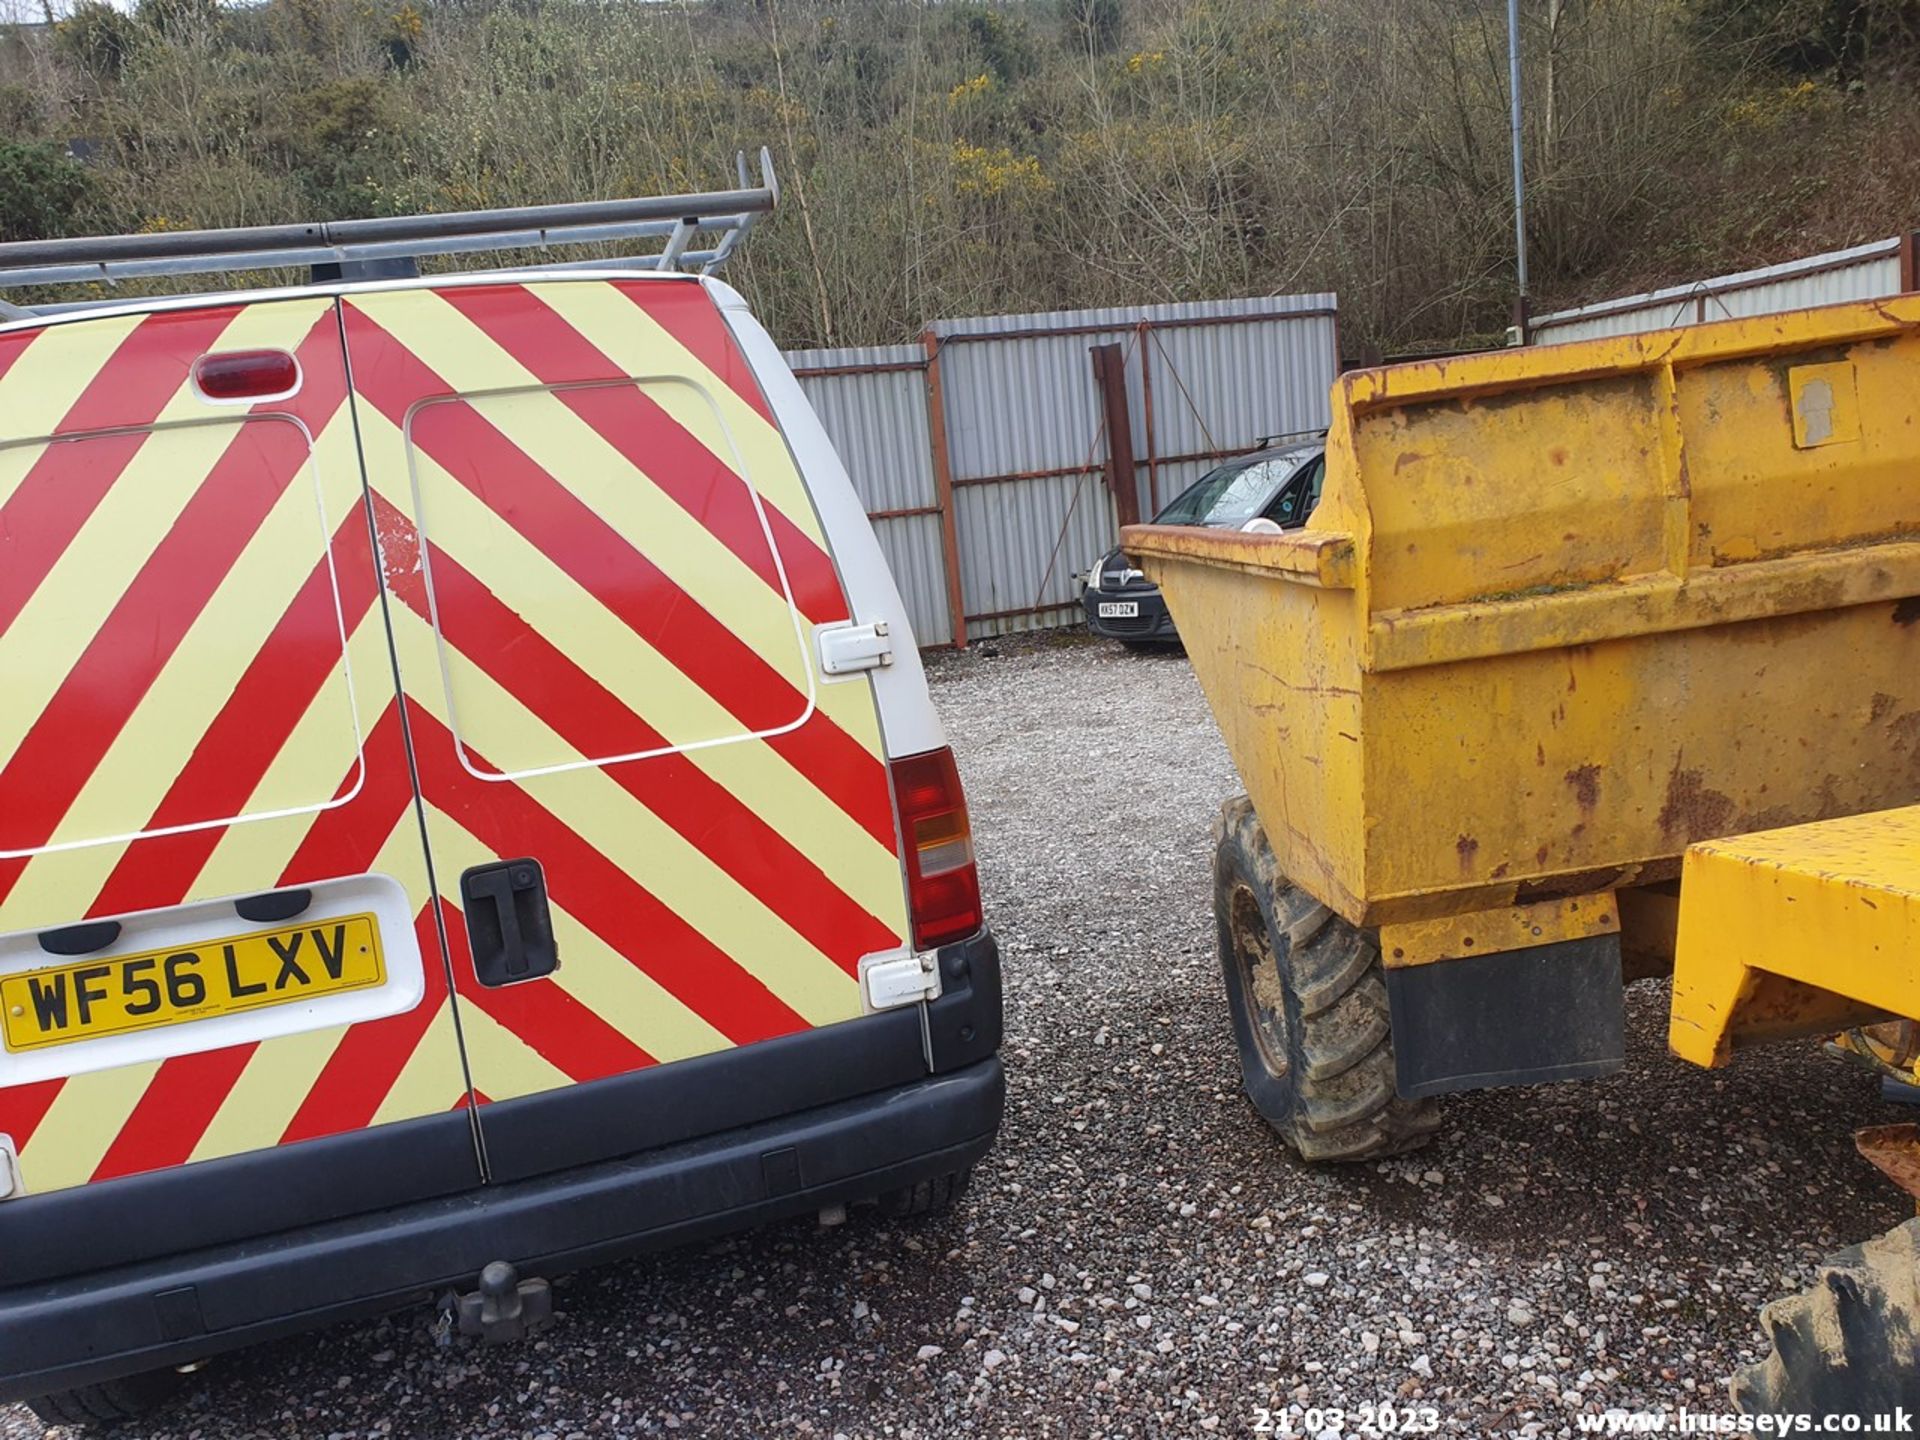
(1002, 39)
(20, 110)
(1098, 23)
(1849, 38)
(173, 19)
(332, 140)
(42, 193)
(98, 38)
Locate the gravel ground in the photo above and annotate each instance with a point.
(1139, 1256)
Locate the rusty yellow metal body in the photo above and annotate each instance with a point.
(1805, 929)
(1562, 612)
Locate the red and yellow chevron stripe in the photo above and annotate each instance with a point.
(600, 570)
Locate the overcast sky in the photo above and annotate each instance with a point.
(13, 12)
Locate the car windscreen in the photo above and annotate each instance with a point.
(1235, 492)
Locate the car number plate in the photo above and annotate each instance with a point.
(175, 986)
(1119, 609)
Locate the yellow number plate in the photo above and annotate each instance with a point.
(90, 998)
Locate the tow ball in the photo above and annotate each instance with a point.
(505, 1307)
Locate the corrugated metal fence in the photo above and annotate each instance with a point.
(1864, 272)
(983, 453)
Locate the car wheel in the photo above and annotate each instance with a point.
(929, 1197)
(109, 1403)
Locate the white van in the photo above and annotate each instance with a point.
(470, 806)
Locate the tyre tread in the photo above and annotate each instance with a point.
(1344, 1103)
(111, 1402)
(1847, 1344)
(932, 1196)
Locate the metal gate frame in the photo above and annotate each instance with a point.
(1147, 365)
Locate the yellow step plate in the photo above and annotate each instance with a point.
(1797, 931)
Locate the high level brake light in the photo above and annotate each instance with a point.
(943, 884)
(249, 375)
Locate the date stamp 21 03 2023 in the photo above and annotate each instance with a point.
(1317, 1421)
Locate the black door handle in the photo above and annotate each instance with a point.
(509, 925)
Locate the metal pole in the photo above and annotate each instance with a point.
(1519, 176)
(943, 488)
(1143, 336)
(1110, 378)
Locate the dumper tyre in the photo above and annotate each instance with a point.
(111, 1403)
(1849, 1344)
(1308, 999)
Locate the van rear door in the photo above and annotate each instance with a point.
(656, 831)
(216, 935)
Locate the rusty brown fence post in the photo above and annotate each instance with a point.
(1110, 374)
(1910, 261)
(943, 488)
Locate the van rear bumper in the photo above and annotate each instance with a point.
(62, 1334)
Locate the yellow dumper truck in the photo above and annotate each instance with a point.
(1594, 662)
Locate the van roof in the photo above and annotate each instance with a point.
(152, 304)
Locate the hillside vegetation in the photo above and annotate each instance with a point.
(962, 157)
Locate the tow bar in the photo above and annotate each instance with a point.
(505, 1307)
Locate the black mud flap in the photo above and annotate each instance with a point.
(1518, 1017)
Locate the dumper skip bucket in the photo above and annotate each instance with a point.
(1562, 611)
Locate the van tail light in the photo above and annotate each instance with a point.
(247, 375)
(943, 885)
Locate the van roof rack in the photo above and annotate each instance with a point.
(389, 245)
